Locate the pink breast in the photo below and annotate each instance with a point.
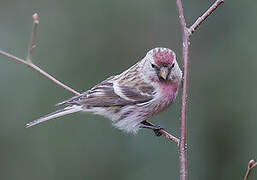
(169, 90)
(168, 94)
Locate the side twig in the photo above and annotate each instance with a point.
(251, 165)
(28, 60)
(169, 136)
(186, 33)
(201, 19)
(32, 45)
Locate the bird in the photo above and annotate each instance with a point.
(130, 98)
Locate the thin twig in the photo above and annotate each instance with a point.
(251, 165)
(33, 37)
(33, 66)
(169, 136)
(28, 60)
(200, 20)
(186, 33)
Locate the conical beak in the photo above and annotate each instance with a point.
(164, 72)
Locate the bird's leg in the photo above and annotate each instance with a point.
(156, 128)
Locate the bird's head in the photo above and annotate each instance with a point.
(160, 65)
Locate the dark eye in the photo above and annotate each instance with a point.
(153, 66)
(172, 66)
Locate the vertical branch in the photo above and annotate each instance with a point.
(186, 33)
(183, 127)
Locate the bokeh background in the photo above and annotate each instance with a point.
(83, 42)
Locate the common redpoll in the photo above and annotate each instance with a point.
(130, 98)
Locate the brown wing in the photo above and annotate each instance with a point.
(103, 95)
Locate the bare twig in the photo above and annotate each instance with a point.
(200, 20)
(251, 165)
(28, 61)
(186, 33)
(33, 66)
(169, 136)
(33, 37)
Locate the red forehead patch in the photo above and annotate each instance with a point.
(163, 56)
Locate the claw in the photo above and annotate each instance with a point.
(156, 128)
(157, 131)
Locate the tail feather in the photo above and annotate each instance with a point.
(58, 113)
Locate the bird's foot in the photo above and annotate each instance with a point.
(156, 128)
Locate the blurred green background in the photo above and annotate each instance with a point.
(83, 42)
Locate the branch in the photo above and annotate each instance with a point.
(169, 136)
(182, 145)
(28, 60)
(251, 165)
(186, 33)
(201, 19)
(32, 45)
